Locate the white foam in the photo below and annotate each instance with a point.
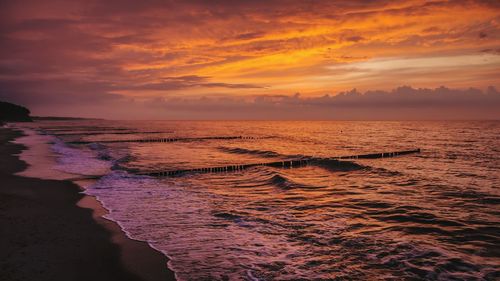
(50, 158)
(39, 156)
(79, 161)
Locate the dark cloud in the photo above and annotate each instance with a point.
(354, 38)
(491, 51)
(56, 92)
(400, 103)
(183, 82)
(403, 103)
(70, 92)
(249, 35)
(432, 29)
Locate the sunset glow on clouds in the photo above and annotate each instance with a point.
(85, 52)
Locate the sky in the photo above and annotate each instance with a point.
(229, 59)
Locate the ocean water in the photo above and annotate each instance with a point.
(432, 215)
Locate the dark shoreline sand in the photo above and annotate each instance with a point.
(50, 231)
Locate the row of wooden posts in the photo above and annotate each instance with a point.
(102, 133)
(379, 155)
(166, 139)
(278, 164)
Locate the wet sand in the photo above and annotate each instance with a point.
(50, 231)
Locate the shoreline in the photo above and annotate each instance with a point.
(57, 233)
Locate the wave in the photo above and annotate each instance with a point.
(227, 216)
(336, 165)
(262, 153)
(420, 218)
(385, 172)
(285, 183)
(117, 161)
(95, 159)
(263, 179)
(79, 161)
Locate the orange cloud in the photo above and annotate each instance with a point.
(148, 48)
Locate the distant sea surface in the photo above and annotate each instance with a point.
(432, 215)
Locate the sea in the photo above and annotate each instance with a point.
(432, 215)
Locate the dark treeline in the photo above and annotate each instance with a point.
(10, 112)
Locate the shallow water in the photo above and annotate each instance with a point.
(433, 215)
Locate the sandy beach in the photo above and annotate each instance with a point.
(50, 231)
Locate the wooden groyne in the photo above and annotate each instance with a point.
(229, 168)
(149, 140)
(82, 128)
(379, 155)
(278, 164)
(108, 133)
